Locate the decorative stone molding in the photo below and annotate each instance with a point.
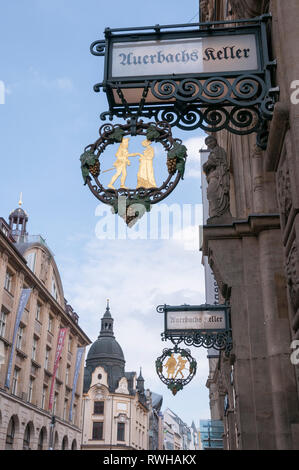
(123, 386)
(284, 193)
(44, 269)
(249, 8)
(292, 273)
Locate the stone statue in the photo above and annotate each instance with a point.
(249, 8)
(207, 10)
(217, 174)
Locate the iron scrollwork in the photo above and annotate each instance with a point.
(221, 341)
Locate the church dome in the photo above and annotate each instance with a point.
(105, 352)
(105, 347)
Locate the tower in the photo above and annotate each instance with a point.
(17, 222)
(105, 352)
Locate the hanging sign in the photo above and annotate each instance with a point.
(176, 368)
(196, 320)
(108, 178)
(184, 56)
(198, 325)
(213, 76)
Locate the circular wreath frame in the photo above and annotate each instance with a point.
(176, 385)
(111, 134)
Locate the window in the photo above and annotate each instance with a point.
(120, 431)
(41, 439)
(47, 358)
(54, 289)
(70, 344)
(19, 337)
(37, 312)
(30, 258)
(67, 375)
(34, 348)
(74, 414)
(26, 440)
(10, 434)
(44, 397)
(3, 320)
(50, 324)
(64, 409)
(15, 380)
(8, 281)
(97, 431)
(98, 408)
(55, 403)
(30, 389)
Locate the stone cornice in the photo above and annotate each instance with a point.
(239, 229)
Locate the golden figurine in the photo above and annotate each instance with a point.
(121, 163)
(181, 366)
(145, 175)
(170, 366)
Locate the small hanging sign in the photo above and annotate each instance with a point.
(147, 191)
(176, 368)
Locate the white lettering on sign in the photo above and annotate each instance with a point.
(197, 320)
(184, 56)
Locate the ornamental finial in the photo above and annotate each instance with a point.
(20, 201)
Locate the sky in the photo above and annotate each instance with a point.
(50, 114)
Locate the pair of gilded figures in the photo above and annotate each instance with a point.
(145, 175)
(174, 366)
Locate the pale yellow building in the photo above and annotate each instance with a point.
(116, 408)
(25, 419)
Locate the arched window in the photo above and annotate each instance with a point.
(26, 440)
(74, 445)
(41, 439)
(11, 429)
(56, 441)
(64, 443)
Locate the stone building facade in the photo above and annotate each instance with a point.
(25, 419)
(117, 410)
(255, 257)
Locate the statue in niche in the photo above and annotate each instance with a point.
(217, 174)
(207, 10)
(249, 8)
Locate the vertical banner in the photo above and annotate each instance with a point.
(79, 356)
(22, 304)
(60, 343)
(212, 290)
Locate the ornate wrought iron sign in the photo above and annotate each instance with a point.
(179, 366)
(191, 75)
(131, 203)
(198, 325)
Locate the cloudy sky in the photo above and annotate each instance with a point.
(50, 114)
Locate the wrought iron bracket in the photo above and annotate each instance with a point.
(219, 339)
(239, 102)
